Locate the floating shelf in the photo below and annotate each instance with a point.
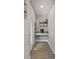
(41, 33)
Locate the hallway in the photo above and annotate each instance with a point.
(41, 50)
(39, 29)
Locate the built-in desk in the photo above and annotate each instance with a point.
(41, 34)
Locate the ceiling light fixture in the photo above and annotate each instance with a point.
(41, 6)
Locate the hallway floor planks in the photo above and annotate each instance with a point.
(41, 50)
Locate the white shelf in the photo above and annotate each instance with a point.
(41, 33)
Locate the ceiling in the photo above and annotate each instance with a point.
(41, 7)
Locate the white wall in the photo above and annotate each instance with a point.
(51, 28)
(28, 30)
(26, 41)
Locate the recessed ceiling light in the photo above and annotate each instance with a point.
(41, 6)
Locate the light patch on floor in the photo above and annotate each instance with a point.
(41, 51)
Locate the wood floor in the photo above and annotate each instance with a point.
(41, 51)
